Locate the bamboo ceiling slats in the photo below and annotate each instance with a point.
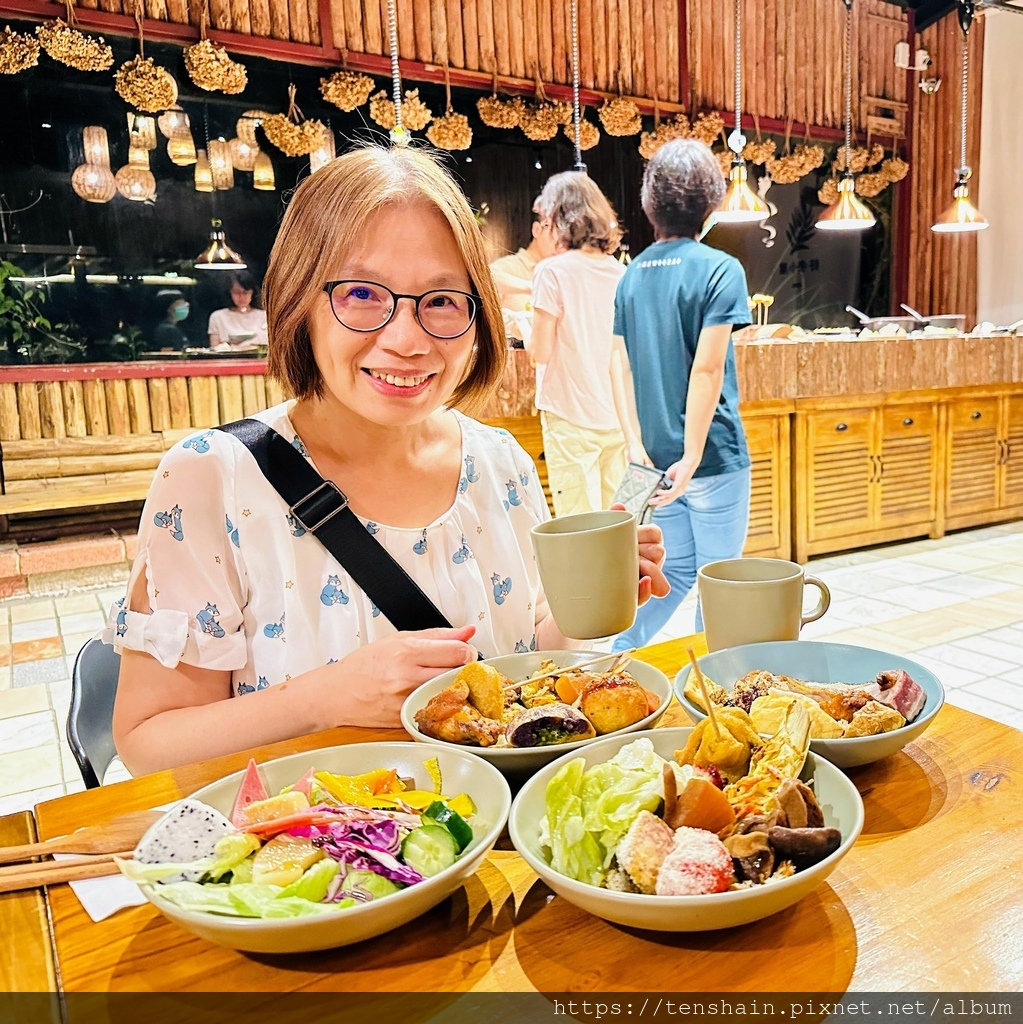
(792, 62)
(943, 267)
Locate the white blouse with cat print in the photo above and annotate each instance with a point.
(234, 584)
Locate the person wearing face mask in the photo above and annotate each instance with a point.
(239, 627)
(243, 323)
(168, 333)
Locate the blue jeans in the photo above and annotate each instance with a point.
(706, 524)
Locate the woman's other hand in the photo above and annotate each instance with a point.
(679, 473)
(637, 453)
(652, 581)
(369, 685)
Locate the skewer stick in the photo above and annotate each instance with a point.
(702, 683)
(621, 659)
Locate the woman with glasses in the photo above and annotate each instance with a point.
(384, 323)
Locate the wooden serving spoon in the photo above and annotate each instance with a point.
(113, 836)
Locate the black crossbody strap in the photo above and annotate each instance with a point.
(321, 508)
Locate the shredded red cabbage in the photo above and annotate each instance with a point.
(366, 846)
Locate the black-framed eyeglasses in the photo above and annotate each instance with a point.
(367, 306)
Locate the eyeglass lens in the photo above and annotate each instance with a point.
(364, 306)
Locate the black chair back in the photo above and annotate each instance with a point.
(90, 719)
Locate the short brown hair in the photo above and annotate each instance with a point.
(330, 209)
(579, 212)
(682, 186)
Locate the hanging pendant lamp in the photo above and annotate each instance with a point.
(848, 212)
(218, 255)
(962, 215)
(741, 204)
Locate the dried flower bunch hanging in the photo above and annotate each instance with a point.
(871, 184)
(346, 89)
(562, 111)
(827, 194)
(64, 43)
(210, 67)
(677, 128)
(451, 131)
(142, 83)
(707, 127)
(18, 51)
(291, 133)
(795, 164)
(541, 119)
(589, 134)
(860, 157)
(895, 169)
(415, 114)
(759, 152)
(725, 158)
(620, 116)
(497, 113)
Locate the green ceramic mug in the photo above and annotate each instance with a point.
(589, 568)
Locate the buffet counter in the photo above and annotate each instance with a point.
(853, 442)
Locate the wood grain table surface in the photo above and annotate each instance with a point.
(929, 899)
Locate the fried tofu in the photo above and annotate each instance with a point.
(613, 702)
(486, 692)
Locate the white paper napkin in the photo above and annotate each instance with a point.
(104, 896)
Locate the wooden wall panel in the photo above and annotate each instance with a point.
(943, 267)
(792, 65)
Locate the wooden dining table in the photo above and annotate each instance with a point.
(929, 899)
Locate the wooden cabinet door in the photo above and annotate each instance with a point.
(908, 478)
(768, 440)
(972, 457)
(840, 466)
(1011, 483)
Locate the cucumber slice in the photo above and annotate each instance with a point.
(429, 849)
(452, 821)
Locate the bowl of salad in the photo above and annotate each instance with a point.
(863, 704)
(324, 848)
(686, 829)
(522, 711)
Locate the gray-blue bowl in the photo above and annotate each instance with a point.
(822, 662)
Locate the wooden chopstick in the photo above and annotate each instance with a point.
(32, 876)
(702, 683)
(568, 669)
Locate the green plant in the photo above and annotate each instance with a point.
(125, 345)
(25, 332)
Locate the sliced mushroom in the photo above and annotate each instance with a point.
(752, 856)
(804, 846)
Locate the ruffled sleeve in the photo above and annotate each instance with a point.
(189, 563)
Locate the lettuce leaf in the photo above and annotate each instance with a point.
(243, 900)
(140, 873)
(588, 811)
(230, 851)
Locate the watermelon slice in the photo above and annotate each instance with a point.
(305, 784)
(251, 790)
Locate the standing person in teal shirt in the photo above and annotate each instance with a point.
(675, 311)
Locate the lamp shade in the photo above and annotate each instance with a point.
(171, 120)
(142, 131)
(94, 183)
(181, 147)
(322, 154)
(243, 156)
(134, 180)
(218, 255)
(97, 151)
(849, 212)
(221, 167)
(741, 204)
(263, 173)
(203, 174)
(962, 215)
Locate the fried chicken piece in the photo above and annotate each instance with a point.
(843, 706)
(450, 717)
(613, 702)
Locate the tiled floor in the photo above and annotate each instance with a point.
(955, 605)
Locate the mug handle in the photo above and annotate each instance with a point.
(822, 605)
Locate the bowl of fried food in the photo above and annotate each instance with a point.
(863, 704)
(688, 829)
(521, 711)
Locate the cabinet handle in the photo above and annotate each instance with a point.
(975, 415)
(880, 468)
(908, 421)
(842, 426)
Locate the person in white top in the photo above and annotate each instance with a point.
(243, 323)
(383, 320)
(587, 429)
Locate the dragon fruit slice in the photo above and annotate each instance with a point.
(187, 833)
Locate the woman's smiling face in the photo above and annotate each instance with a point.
(399, 374)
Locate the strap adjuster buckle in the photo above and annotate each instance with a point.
(319, 506)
